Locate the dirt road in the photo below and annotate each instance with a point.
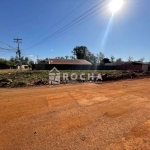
(108, 116)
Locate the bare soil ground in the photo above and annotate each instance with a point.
(107, 116)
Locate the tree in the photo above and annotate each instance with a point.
(97, 59)
(22, 60)
(31, 62)
(12, 59)
(67, 57)
(112, 58)
(43, 61)
(91, 57)
(105, 60)
(72, 57)
(141, 60)
(101, 63)
(118, 61)
(101, 56)
(80, 52)
(26, 60)
(6, 64)
(130, 59)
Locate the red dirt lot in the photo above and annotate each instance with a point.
(89, 116)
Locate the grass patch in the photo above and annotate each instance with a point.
(29, 76)
(32, 77)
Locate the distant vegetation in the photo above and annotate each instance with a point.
(82, 52)
(14, 61)
(79, 52)
(6, 64)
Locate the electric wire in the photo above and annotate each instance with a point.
(7, 49)
(52, 38)
(8, 45)
(61, 20)
(66, 26)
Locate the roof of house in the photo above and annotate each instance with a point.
(69, 61)
(136, 63)
(127, 63)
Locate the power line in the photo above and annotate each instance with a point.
(52, 38)
(7, 49)
(67, 24)
(8, 45)
(75, 21)
(81, 20)
(61, 20)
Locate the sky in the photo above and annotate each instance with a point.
(62, 25)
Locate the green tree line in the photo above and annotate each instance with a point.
(14, 61)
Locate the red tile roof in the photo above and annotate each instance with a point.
(69, 61)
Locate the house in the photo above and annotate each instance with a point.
(69, 62)
(25, 66)
(22, 66)
(135, 66)
(64, 64)
(131, 66)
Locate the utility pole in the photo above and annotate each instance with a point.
(19, 51)
(28, 59)
(37, 59)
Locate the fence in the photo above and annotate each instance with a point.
(88, 67)
(71, 67)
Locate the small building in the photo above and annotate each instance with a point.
(131, 66)
(135, 66)
(25, 66)
(22, 66)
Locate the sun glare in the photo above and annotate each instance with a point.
(115, 5)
